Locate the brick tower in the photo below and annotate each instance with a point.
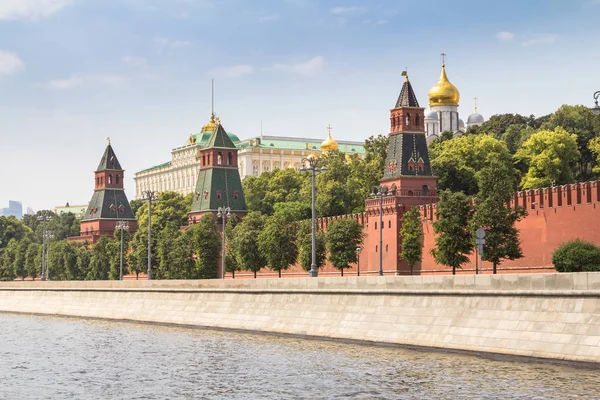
(109, 203)
(219, 183)
(407, 177)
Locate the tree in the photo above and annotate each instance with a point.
(33, 260)
(245, 243)
(304, 244)
(515, 135)
(100, 260)
(453, 240)
(580, 121)
(551, 158)
(494, 214)
(12, 228)
(277, 243)
(411, 233)
(207, 246)
(278, 186)
(231, 264)
(84, 259)
(175, 254)
(343, 237)
(19, 264)
(498, 124)
(576, 256)
(595, 149)
(457, 161)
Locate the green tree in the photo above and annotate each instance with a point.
(343, 237)
(580, 121)
(457, 161)
(245, 243)
(278, 186)
(207, 246)
(33, 260)
(453, 241)
(19, 263)
(277, 243)
(551, 158)
(577, 256)
(411, 233)
(494, 214)
(12, 228)
(175, 254)
(304, 243)
(84, 258)
(595, 149)
(7, 260)
(231, 264)
(498, 124)
(100, 260)
(515, 135)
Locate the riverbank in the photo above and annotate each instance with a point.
(555, 316)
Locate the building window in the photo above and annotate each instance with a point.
(375, 249)
(425, 190)
(205, 195)
(117, 179)
(407, 119)
(109, 179)
(386, 248)
(203, 160)
(230, 158)
(101, 180)
(417, 120)
(266, 166)
(410, 193)
(389, 224)
(97, 181)
(236, 195)
(219, 158)
(219, 195)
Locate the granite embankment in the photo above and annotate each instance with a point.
(539, 315)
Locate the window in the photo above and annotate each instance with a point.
(410, 193)
(389, 224)
(375, 225)
(230, 158)
(375, 249)
(386, 248)
(236, 195)
(425, 190)
(109, 179)
(117, 179)
(203, 160)
(97, 181)
(219, 195)
(205, 195)
(219, 158)
(101, 180)
(417, 120)
(407, 119)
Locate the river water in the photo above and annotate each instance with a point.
(65, 358)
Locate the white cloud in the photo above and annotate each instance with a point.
(79, 80)
(164, 42)
(31, 9)
(138, 62)
(540, 39)
(268, 18)
(233, 72)
(347, 10)
(9, 63)
(505, 36)
(310, 67)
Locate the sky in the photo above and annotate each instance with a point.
(74, 72)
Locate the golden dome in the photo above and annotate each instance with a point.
(212, 124)
(329, 144)
(444, 92)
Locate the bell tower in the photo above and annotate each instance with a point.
(407, 179)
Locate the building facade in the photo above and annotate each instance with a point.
(14, 209)
(255, 155)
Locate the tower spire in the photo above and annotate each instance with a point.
(475, 98)
(443, 59)
(212, 93)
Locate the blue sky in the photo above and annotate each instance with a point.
(73, 72)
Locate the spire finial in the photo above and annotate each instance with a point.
(212, 94)
(405, 74)
(329, 129)
(443, 59)
(475, 98)
(108, 140)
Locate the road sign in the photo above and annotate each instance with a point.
(480, 233)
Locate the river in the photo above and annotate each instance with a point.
(67, 358)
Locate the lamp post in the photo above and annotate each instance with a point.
(150, 196)
(379, 192)
(223, 212)
(596, 108)
(44, 217)
(122, 226)
(358, 249)
(311, 163)
(47, 237)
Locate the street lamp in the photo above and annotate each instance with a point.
(122, 226)
(221, 213)
(150, 196)
(358, 249)
(45, 217)
(47, 237)
(311, 163)
(380, 191)
(596, 108)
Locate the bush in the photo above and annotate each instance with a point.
(576, 256)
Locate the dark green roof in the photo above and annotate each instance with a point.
(109, 160)
(203, 137)
(219, 139)
(109, 204)
(407, 96)
(402, 148)
(225, 180)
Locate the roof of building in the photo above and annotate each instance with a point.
(444, 92)
(70, 209)
(163, 165)
(288, 143)
(220, 139)
(407, 96)
(109, 204)
(218, 187)
(109, 160)
(402, 149)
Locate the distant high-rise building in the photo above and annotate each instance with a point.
(14, 209)
(30, 211)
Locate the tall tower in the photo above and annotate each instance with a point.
(109, 203)
(407, 177)
(219, 183)
(443, 100)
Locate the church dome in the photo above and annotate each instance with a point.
(329, 144)
(475, 119)
(444, 92)
(431, 115)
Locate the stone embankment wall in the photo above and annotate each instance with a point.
(540, 315)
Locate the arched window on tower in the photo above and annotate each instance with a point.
(229, 158)
(109, 179)
(425, 190)
(407, 119)
(203, 160)
(417, 120)
(219, 158)
(117, 177)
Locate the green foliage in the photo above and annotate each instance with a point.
(277, 243)
(12, 228)
(231, 264)
(594, 146)
(456, 162)
(100, 260)
(411, 233)
(376, 148)
(7, 260)
(581, 122)
(551, 158)
(304, 243)
(245, 243)
(343, 237)
(33, 260)
(207, 246)
(453, 240)
(293, 210)
(498, 124)
(576, 256)
(515, 135)
(175, 254)
(494, 214)
(277, 186)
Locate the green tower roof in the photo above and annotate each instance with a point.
(109, 160)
